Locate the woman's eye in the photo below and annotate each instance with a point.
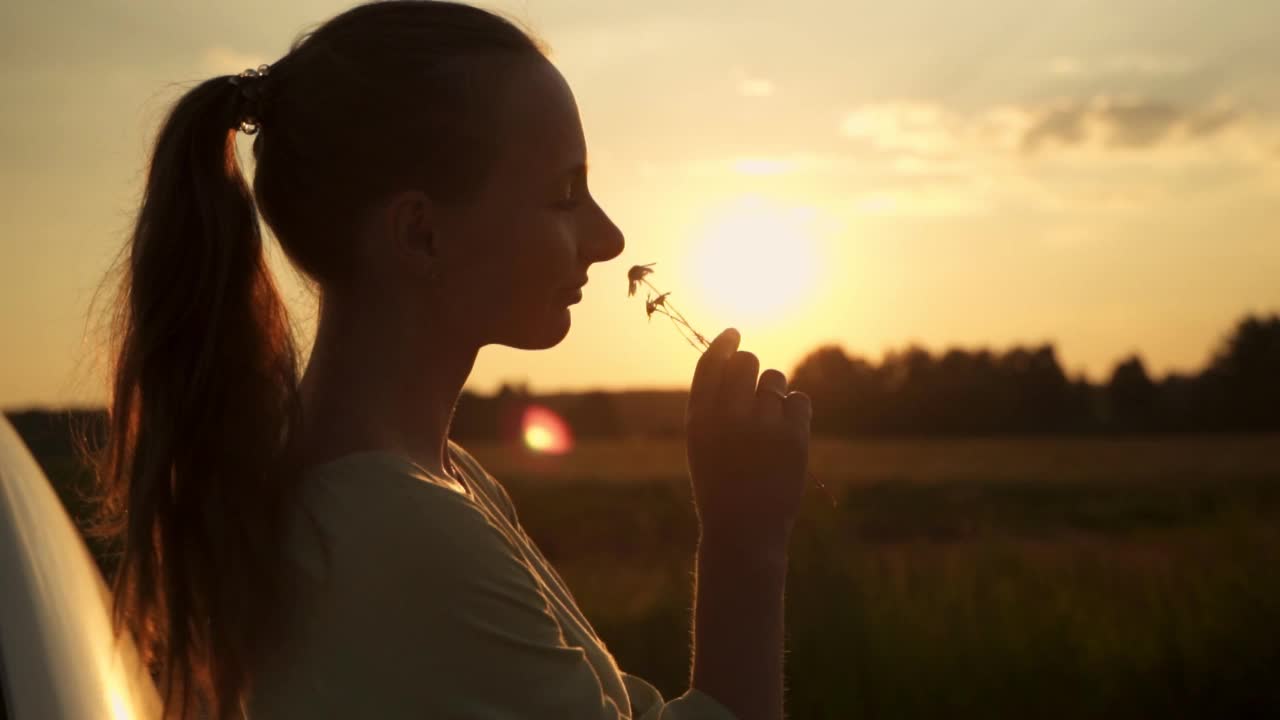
(571, 194)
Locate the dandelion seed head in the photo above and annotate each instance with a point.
(636, 275)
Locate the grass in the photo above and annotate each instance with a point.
(1040, 577)
(1138, 579)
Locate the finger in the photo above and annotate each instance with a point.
(798, 409)
(738, 387)
(707, 375)
(770, 392)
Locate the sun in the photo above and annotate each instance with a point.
(756, 260)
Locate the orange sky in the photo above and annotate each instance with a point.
(1103, 176)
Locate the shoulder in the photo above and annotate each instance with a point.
(426, 606)
(493, 490)
(382, 515)
(404, 562)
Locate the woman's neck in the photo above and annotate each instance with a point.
(376, 381)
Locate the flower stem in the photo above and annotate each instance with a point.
(699, 343)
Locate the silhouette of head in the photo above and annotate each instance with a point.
(427, 157)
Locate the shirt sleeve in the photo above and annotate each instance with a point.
(647, 703)
(447, 621)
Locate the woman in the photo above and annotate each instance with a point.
(317, 546)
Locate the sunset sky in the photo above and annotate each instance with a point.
(1104, 176)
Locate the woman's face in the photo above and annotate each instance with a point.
(512, 260)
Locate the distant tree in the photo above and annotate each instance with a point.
(865, 400)
(908, 377)
(1084, 405)
(1243, 378)
(827, 376)
(1132, 398)
(1182, 404)
(593, 415)
(474, 418)
(1024, 390)
(1040, 389)
(60, 433)
(510, 403)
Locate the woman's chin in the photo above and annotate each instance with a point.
(546, 334)
(559, 330)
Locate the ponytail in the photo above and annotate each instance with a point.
(196, 467)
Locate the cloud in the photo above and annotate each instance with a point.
(594, 46)
(1124, 123)
(1141, 64)
(752, 85)
(758, 165)
(1130, 64)
(1100, 154)
(755, 87)
(764, 166)
(925, 129)
(909, 126)
(1066, 66)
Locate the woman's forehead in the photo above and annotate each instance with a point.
(541, 125)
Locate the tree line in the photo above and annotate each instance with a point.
(1023, 390)
(1019, 391)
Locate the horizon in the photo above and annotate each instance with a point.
(523, 386)
(1097, 178)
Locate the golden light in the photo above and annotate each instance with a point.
(544, 432)
(757, 259)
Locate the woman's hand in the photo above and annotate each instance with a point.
(748, 448)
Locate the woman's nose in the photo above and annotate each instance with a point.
(606, 241)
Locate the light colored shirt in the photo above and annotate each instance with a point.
(436, 604)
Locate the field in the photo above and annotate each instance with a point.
(1057, 577)
(1043, 577)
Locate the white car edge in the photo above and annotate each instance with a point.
(59, 659)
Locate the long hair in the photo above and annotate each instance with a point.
(199, 467)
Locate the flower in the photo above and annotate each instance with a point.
(652, 304)
(639, 275)
(636, 275)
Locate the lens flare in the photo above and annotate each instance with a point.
(544, 432)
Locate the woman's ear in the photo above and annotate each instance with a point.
(410, 219)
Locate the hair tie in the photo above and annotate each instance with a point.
(250, 97)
